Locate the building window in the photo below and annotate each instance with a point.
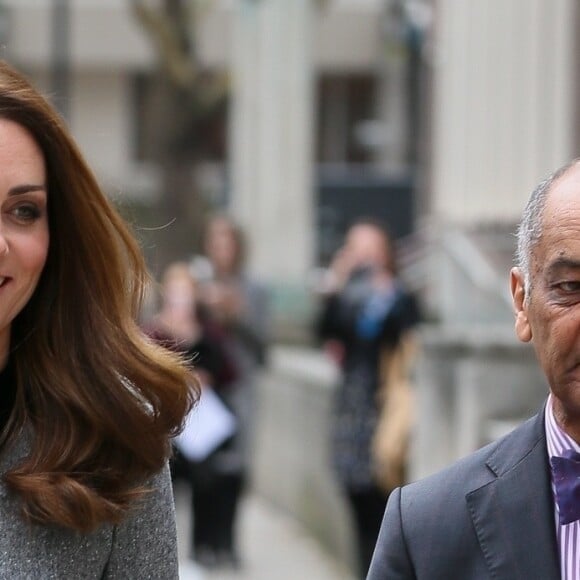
(165, 121)
(344, 102)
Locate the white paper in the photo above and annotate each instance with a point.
(208, 425)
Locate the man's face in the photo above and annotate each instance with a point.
(550, 317)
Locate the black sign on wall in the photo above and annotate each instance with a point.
(342, 199)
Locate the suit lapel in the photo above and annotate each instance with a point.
(513, 515)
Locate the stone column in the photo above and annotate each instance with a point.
(503, 104)
(272, 135)
(393, 94)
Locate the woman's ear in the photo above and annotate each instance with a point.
(518, 289)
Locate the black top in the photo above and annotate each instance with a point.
(366, 321)
(7, 393)
(344, 318)
(209, 353)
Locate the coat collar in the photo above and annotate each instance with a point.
(513, 515)
(16, 450)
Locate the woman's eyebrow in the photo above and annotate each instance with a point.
(26, 188)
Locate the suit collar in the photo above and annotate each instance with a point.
(512, 449)
(513, 515)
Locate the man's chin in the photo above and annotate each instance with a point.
(566, 403)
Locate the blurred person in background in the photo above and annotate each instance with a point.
(239, 305)
(87, 403)
(365, 325)
(180, 325)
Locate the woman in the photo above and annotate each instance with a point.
(181, 326)
(239, 306)
(88, 405)
(364, 321)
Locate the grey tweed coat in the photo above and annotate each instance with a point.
(142, 547)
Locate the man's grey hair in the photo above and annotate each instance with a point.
(530, 229)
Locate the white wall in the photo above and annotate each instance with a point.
(100, 120)
(107, 46)
(354, 22)
(502, 104)
(104, 33)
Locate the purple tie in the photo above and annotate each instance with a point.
(566, 475)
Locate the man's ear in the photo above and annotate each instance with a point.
(518, 288)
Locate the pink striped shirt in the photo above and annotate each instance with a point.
(568, 535)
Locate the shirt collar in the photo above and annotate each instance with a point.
(557, 439)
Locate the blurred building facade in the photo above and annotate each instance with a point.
(441, 114)
(444, 112)
(299, 64)
(106, 51)
(504, 113)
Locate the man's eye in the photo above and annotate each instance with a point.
(569, 286)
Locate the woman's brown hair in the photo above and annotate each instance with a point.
(96, 399)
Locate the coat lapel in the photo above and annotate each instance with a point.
(513, 515)
(15, 451)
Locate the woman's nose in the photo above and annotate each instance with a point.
(3, 244)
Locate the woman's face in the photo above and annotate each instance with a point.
(221, 246)
(179, 293)
(367, 246)
(24, 234)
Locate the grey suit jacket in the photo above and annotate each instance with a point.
(143, 546)
(490, 515)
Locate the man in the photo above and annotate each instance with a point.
(511, 510)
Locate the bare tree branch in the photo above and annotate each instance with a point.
(178, 63)
(175, 61)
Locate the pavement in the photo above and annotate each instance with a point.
(272, 545)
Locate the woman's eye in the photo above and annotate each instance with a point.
(26, 213)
